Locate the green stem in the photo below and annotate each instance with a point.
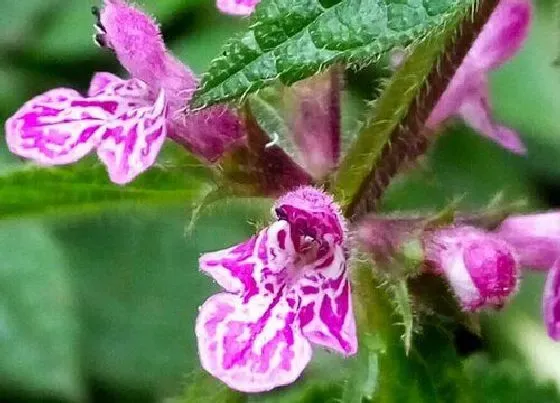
(409, 138)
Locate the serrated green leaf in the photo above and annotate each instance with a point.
(392, 107)
(83, 187)
(290, 40)
(39, 326)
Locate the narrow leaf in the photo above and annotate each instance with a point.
(30, 190)
(289, 40)
(403, 307)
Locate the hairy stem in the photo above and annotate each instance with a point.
(409, 139)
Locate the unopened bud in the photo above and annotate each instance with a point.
(481, 268)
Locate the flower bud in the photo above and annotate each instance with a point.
(480, 267)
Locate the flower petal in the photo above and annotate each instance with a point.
(208, 133)
(135, 93)
(137, 42)
(503, 35)
(135, 38)
(326, 316)
(244, 268)
(233, 268)
(131, 141)
(481, 268)
(237, 7)
(59, 126)
(536, 238)
(467, 92)
(476, 111)
(551, 301)
(252, 347)
(101, 83)
(313, 213)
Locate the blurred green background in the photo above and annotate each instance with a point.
(101, 308)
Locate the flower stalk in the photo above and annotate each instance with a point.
(409, 140)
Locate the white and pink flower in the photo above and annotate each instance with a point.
(125, 121)
(285, 288)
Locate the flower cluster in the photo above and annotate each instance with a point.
(482, 267)
(288, 286)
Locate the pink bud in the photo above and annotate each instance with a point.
(481, 268)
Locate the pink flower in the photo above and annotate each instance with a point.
(237, 7)
(481, 268)
(286, 287)
(467, 93)
(125, 121)
(536, 238)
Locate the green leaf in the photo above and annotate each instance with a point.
(507, 381)
(202, 387)
(393, 107)
(268, 109)
(430, 372)
(85, 187)
(139, 288)
(290, 40)
(403, 307)
(39, 328)
(362, 385)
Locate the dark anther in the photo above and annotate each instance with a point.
(280, 214)
(100, 28)
(99, 40)
(98, 25)
(99, 37)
